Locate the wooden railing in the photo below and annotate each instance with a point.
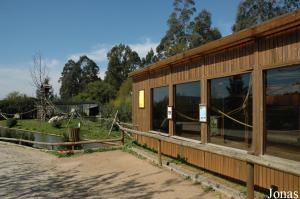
(72, 144)
(289, 166)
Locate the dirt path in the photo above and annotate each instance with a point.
(29, 173)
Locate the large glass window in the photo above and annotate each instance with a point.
(231, 111)
(283, 112)
(187, 99)
(160, 101)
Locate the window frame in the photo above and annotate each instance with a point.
(208, 93)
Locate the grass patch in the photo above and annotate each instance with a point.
(88, 130)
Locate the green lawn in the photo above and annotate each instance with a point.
(88, 129)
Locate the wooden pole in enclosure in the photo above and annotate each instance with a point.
(250, 180)
(123, 137)
(159, 153)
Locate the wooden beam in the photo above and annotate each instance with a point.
(258, 104)
(106, 141)
(204, 100)
(250, 180)
(289, 166)
(171, 101)
(159, 152)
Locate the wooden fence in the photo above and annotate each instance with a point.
(251, 160)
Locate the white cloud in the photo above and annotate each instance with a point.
(98, 55)
(17, 77)
(143, 48)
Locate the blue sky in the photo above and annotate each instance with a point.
(64, 29)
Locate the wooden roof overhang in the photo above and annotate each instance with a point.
(275, 25)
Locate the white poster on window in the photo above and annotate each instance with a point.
(169, 112)
(202, 113)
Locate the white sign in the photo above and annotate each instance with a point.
(202, 113)
(170, 112)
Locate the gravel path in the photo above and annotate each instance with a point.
(29, 173)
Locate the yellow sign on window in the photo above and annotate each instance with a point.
(142, 99)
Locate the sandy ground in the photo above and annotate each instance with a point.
(29, 173)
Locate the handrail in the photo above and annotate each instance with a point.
(289, 166)
(106, 141)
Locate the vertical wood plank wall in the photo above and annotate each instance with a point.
(280, 49)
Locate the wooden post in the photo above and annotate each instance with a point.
(258, 129)
(113, 122)
(123, 137)
(204, 100)
(171, 121)
(159, 153)
(250, 180)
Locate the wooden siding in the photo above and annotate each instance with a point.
(261, 53)
(230, 61)
(236, 169)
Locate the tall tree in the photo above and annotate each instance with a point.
(89, 71)
(77, 75)
(202, 31)
(70, 80)
(176, 38)
(150, 58)
(98, 91)
(252, 12)
(121, 61)
(186, 32)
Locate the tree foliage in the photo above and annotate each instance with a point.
(16, 102)
(97, 91)
(89, 71)
(121, 61)
(253, 12)
(203, 31)
(123, 102)
(185, 32)
(70, 80)
(150, 58)
(76, 76)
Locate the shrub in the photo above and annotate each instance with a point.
(56, 123)
(11, 122)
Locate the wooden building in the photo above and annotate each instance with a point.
(249, 83)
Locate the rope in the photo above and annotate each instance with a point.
(186, 117)
(3, 116)
(242, 123)
(23, 113)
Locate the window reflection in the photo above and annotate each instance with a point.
(160, 101)
(187, 99)
(231, 111)
(283, 112)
